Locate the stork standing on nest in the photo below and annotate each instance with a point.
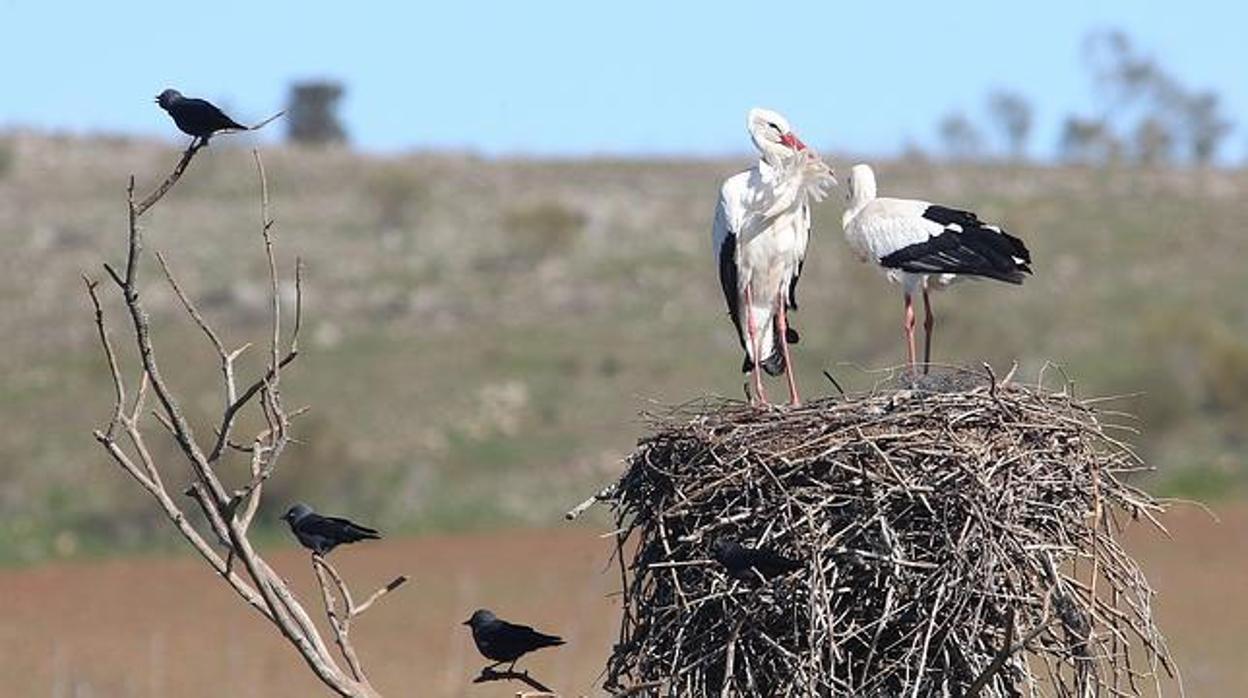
(761, 229)
(925, 246)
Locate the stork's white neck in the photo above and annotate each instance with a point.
(861, 189)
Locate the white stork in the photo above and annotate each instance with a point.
(762, 226)
(926, 246)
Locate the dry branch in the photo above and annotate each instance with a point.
(224, 520)
(936, 525)
(490, 674)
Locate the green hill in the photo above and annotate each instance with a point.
(480, 334)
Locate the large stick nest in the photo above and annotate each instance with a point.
(955, 542)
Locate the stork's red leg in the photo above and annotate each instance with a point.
(909, 325)
(928, 323)
(794, 399)
(759, 395)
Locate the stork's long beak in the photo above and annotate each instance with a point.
(791, 140)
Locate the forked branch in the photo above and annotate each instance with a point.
(227, 513)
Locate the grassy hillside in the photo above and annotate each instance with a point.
(481, 334)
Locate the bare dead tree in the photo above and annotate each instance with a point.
(221, 539)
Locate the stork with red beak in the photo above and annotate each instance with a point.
(759, 238)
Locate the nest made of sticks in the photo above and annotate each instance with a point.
(954, 542)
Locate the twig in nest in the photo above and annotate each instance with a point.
(827, 374)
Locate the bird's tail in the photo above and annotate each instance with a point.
(774, 364)
(551, 640)
(772, 353)
(364, 532)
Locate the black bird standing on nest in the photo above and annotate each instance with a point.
(196, 117)
(504, 642)
(747, 563)
(321, 534)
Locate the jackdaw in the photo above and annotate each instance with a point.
(321, 534)
(505, 642)
(743, 563)
(196, 117)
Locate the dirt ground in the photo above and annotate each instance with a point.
(160, 627)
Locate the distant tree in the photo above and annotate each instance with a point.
(912, 151)
(1141, 97)
(313, 113)
(1012, 115)
(1154, 142)
(1206, 127)
(1088, 141)
(1123, 76)
(960, 138)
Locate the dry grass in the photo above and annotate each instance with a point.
(1139, 287)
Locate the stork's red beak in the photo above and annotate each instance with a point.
(790, 139)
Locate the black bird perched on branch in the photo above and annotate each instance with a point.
(505, 642)
(743, 563)
(196, 117)
(321, 534)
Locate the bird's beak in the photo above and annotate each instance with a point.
(467, 622)
(791, 140)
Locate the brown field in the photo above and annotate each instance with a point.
(157, 627)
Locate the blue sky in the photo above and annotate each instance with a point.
(577, 78)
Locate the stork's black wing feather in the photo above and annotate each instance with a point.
(967, 246)
(728, 281)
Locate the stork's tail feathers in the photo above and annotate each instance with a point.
(774, 364)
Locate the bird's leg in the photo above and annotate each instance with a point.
(928, 323)
(794, 399)
(909, 325)
(759, 395)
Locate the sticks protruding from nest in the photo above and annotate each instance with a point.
(957, 541)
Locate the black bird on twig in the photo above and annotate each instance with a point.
(321, 534)
(196, 117)
(504, 642)
(747, 563)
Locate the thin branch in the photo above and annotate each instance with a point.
(340, 623)
(394, 584)
(231, 412)
(119, 388)
(489, 674)
(190, 306)
(140, 208)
